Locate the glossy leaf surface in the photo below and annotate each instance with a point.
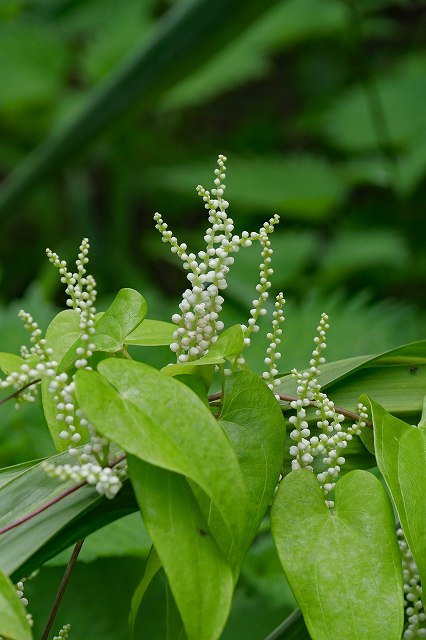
(62, 336)
(161, 421)
(344, 566)
(10, 362)
(383, 375)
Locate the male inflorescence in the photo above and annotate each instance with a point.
(332, 438)
(90, 462)
(198, 323)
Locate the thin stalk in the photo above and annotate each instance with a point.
(61, 589)
(43, 507)
(280, 633)
(348, 414)
(18, 392)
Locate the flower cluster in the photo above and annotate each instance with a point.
(198, 321)
(81, 289)
(24, 601)
(414, 609)
(64, 633)
(93, 462)
(265, 272)
(274, 337)
(37, 363)
(333, 439)
(107, 480)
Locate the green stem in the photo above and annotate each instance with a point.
(61, 590)
(284, 630)
(348, 414)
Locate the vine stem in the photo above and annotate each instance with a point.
(16, 393)
(348, 414)
(61, 589)
(285, 626)
(53, 501)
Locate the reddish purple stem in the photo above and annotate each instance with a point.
(53, 501)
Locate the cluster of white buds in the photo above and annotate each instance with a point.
(413, 605)
(274, 337)
(333, 439)
(335, 443)
(198, 321)
(24, 601)
(106, 480)
(95, 466)
(38, 363)
(307, 385)
(71, 421)
(64, 633)
(265, 272)
(19, 586)
(93, 460)
(81, 289)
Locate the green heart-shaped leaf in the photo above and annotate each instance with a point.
(344, 567)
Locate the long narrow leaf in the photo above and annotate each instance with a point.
(200, 579)
(187, 35)
(401, 457)
(30, 544)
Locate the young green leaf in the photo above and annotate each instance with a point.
(62, 336)
(62, 333)
(13, 622)
(153, 565)
(401, 457)
(199, 577)
(344, 566)
(161, 421)
(10, 362)
(124, 315)
(152, 333)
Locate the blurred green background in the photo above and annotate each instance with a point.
(110, 111)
